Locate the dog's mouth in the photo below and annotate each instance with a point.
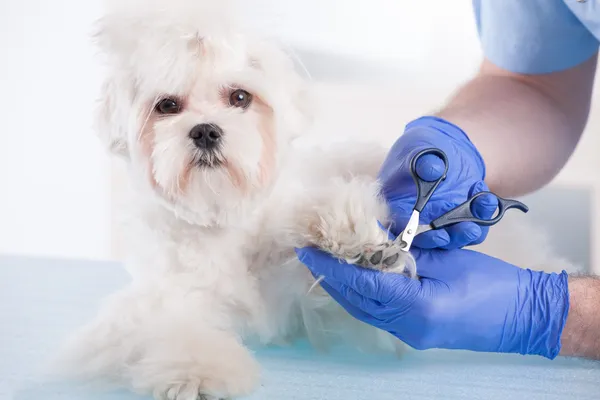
(208, 159)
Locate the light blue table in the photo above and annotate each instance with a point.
(42, 300)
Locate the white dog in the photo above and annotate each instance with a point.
(204, 113)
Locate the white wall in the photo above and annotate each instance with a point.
(53, 174)
(54, 178)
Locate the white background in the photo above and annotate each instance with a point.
(393, 60)
(53, 174)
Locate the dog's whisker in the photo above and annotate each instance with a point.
(144, 124)
(207, 181)
(315, 284)
(289, 261)
(290, 50)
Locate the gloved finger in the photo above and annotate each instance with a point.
(469, 233)
(462, 234)
(483, 207)
(322, 264)
(438, 238)
(430, 167)
(430, 263)
(349, 303)
(395, 170)
(432, 239)
(367, 282)
(352, 296)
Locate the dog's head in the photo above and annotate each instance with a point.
(202, 110)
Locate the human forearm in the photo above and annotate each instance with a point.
(581, 334)
(525, 127)
(516, 129)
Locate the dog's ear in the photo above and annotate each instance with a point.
(113, 114)
(115, 102)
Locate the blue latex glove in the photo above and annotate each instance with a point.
(463, 300)
(466, 172)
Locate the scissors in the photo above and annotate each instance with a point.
(461, 213)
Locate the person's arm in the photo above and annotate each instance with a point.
(523, 122)
(581, 335)
(510, 129)
(526, 108)
(525, 128)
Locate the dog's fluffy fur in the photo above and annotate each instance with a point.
(212, 231)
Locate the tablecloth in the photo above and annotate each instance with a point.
(42, 300)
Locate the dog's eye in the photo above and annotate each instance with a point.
(240, 98)
(168, 106)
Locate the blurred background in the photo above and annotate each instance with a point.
(387, 61)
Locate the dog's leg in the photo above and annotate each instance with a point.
(162, 344)
(343, 218)
(186, 362)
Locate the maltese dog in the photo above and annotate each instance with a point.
(205, 114)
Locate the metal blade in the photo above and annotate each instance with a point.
(409, 232)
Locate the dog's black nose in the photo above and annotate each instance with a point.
(206, 136)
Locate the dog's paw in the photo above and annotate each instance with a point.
(209, 386)
(238, 381)
(184, 391)
(203, 365)
(387, 257)
(346, 224)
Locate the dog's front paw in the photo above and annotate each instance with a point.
(212, 368)
(210, 385)
(184, 391)
(232, 379)
(346, 224)
(387, 257)
(221, 383)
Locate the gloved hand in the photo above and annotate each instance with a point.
(466, 172)
(463, 300)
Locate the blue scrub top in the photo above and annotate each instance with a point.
(538, 36)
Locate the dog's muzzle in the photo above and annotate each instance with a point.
(208, 139)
